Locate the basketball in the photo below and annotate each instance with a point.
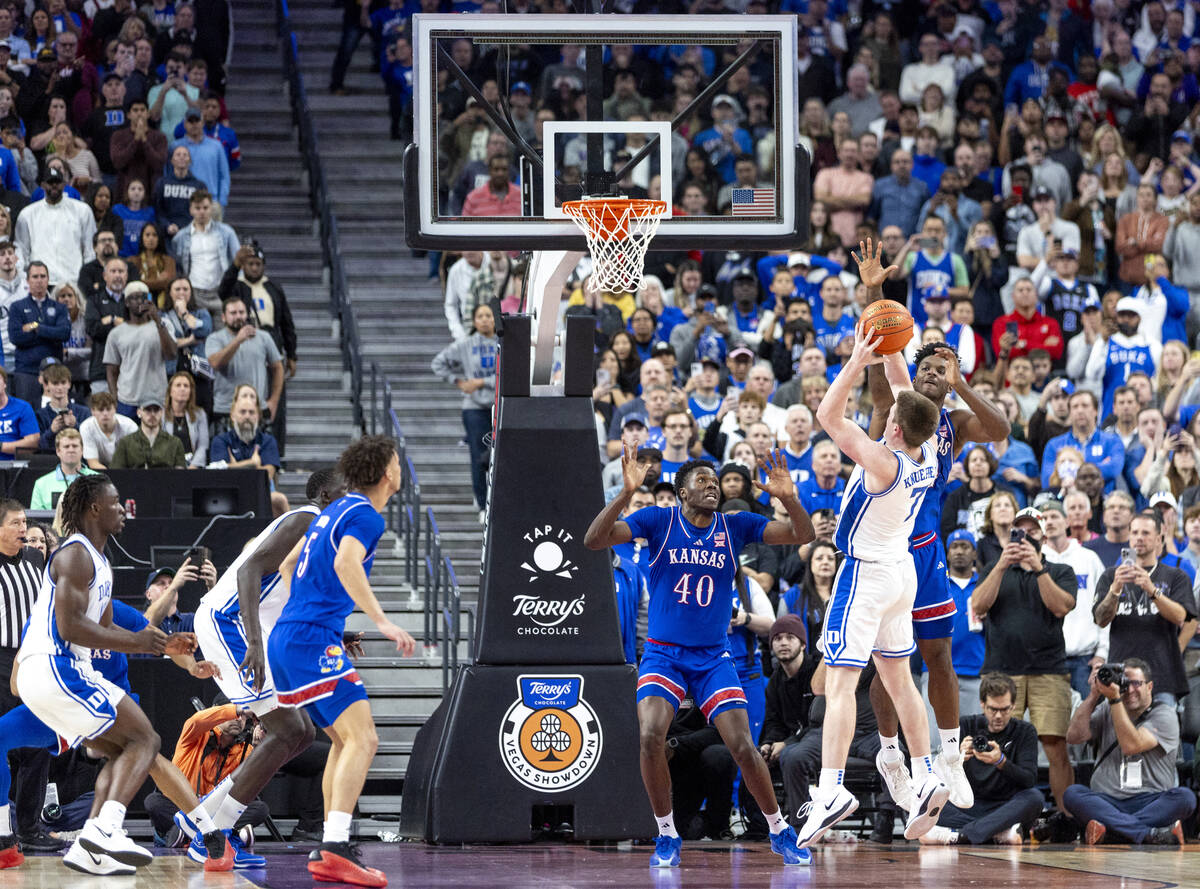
(892, 322)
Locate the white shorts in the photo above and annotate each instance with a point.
(870, 610)
(223, 642)
(69, 696)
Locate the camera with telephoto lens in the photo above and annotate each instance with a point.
(1113, 674)
(981, 743)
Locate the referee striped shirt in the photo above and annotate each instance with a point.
(20, 578)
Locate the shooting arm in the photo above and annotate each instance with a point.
(606, 529)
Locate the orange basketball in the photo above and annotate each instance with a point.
(892, 322)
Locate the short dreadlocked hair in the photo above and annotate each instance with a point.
(930, 349)
(78, 499)
(320, 480)
(681, 474)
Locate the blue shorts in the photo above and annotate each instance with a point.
(671, 671)
(313, 671)
(934, 609)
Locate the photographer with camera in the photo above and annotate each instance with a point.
(1150, 608)
(1000, 758)
(1134, 791)
(1023, 598)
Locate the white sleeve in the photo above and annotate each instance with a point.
(1041, 278)
(1094, 373)
(760, 604)
(86, 430)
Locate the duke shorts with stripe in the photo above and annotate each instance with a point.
(223, 641)
(870, 610)
(934, 609)
(672, 671)
(313, 671)
(69, 696)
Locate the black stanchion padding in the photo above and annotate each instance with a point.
(577, 362)
(514, 356)
(544, 597)
(486, 758)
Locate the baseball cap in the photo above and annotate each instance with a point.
(1047, 502)
(1129, 304)
(789, 623)
(1164, 497)
(1181, 136)
(156, 572)
(150, 401)
(661, 348)
(1092, 302)
(1069, 253)
(1030, 513)
(937, 291)
(134, 288)
(1058, 115)
(799, 258)
(53, 174)
(1042, 192)
(744, 272)
(47, 361)
(521, 87)
(192, 114)
(961, 534)
(709, 359)
(633, 418)
(741, 352)
(46, 54)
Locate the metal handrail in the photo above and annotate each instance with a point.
(339, 291)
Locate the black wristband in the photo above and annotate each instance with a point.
(1044, 570)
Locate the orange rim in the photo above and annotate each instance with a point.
(608, 215)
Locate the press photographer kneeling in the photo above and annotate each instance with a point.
(1000, 758)
(1134, 795)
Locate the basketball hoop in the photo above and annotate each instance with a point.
(618, 231)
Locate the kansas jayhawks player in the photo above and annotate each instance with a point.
(691, 560)
(869, 615)
(328, 571)
(937, 372)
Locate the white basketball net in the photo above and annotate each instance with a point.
(618, 233)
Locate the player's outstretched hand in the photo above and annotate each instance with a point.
(180, 643)
(633, 472)
(779, 480)
(352, 643)
(253, 667)
(870, 264)
(405, 644)
(151, 640)
(205, 670)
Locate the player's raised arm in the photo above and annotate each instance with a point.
(72, 572)
(982, 420)
(606, 528)
(875, 457)
(798, 529)
(872, 273)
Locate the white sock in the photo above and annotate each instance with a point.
(666, 824)
(950, 749)
(202, 820)
(112, 815)
(831, 780)
(337, 828)
(890, 747)
(775, 822)
(5, 824)
(922, 767)
(231, 810)
(212, 801)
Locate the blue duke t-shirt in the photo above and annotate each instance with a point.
(16, 421)
(690, 572)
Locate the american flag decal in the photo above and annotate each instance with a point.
(753, 201)
(719, 539)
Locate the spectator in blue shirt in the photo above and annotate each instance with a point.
(1030, 79)
(1102, 449)
(213, 128)
(967, 643)
(38, 326)
(209, 162)
(18, 425)
(927, 166)
(724, 141)
(823, 489)
(897, 199)
(631, 589)
(245, 445)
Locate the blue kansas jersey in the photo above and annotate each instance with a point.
(690, 572)
(929, 518)
(317, 595)
(114, 665)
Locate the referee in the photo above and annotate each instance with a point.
(20, 578)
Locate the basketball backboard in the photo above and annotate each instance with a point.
(592, 105)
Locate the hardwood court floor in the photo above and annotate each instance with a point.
(706, 866)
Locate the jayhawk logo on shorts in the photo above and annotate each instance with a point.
(332, 660)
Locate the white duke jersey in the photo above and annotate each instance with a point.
(42, 636)
(876, 527)
(223, 597)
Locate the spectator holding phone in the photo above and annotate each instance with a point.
(1023, 598)
(1150, 608)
